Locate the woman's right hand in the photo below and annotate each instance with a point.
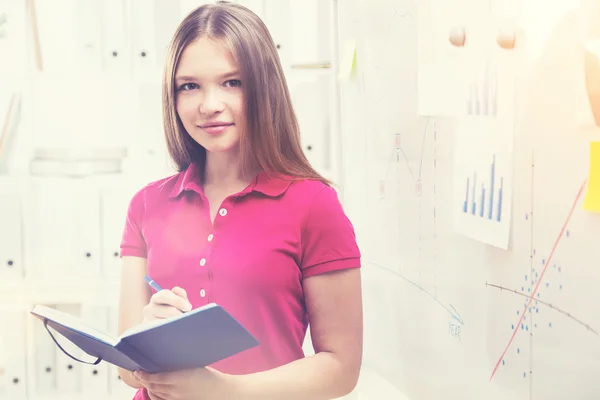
(166, 304)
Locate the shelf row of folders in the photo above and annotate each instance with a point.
(56, 228)
(33, 367)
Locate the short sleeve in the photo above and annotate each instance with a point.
(328, 237)
(132, 241)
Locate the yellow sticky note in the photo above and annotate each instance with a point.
(592, 197)
(348, 62)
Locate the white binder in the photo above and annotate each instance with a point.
(86, 222)
(88, 17)
(13, 378)
(48, 229)
(310, 96)
(142, 36)
(95, 377)
(116, 54)
(305, 42)
(167, 16)
(68, 371)
(63, 229)
(114, 204)
(44, 361)
(11, 237)
(277, 17)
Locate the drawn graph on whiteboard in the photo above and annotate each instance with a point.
(483, 179)
(484, 202)
(482, 98)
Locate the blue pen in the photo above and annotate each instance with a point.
(152, 284)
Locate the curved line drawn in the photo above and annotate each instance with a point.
(568, 314)
(449, 308)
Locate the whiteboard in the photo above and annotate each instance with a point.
(442, 308)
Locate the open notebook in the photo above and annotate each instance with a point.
(194, 339)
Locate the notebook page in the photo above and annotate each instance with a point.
(73, 322)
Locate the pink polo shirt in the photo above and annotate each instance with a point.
(265, 240)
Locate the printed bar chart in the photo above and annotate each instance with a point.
(483, 93)
(483, 209)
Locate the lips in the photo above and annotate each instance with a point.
(215, 124)
(215, 128)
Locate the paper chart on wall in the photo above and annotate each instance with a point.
(440, 77)
(483, 179)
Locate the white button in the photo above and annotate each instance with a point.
(203, 262)
(210, 237)
(202, 293)
(222, 212)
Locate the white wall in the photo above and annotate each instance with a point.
(423, 278)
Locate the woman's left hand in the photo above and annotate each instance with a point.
(190, 384)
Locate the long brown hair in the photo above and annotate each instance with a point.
(270, 139)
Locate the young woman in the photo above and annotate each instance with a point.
(247, 223)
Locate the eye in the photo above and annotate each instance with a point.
(233, 83)
(188, 86)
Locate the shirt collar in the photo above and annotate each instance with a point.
(271, 185)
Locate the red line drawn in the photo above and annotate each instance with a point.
(548, 262)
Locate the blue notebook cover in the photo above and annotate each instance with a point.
(194, 339)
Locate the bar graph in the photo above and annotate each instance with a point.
(482, 99)
(483, 179)
(477, 206)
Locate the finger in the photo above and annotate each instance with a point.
(179, 291)
(183, 294)
(160, 379)
(158, 311)
(167, 297)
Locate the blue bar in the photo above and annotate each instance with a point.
(473, 205)
(482, 201)
(466, 198)
(492, 175)
(500, 200)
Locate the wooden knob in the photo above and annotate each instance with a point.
(506, 39)
(457, 36)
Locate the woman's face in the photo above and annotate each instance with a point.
(209, 98)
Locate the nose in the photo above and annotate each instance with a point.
(210, 102)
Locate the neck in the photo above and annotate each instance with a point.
(224, 169)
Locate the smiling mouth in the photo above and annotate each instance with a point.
(215, 125)
(215, 128)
